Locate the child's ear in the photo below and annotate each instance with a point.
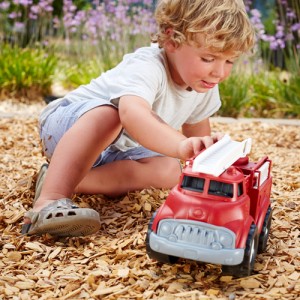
(170, 44)
(169, 31)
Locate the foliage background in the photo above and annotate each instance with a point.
(71, 42)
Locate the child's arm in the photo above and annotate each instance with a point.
(201, 129)
(198, 129)
(153, 133)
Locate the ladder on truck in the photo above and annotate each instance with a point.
(220, 156)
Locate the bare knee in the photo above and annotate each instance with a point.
(170, 172)
(104, 122)
(167, 171)
(104, 116)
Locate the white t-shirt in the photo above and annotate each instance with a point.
(145, 73)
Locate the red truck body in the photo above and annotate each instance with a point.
(230, 205)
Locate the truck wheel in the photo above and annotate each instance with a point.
(245, 268)
(161, 257)
(264, 235)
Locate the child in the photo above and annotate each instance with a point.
(121, 133)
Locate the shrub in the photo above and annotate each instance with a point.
(24, 71)
(267, 94)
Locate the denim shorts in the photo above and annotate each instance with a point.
(64, 117)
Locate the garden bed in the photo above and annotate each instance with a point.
(113, 264)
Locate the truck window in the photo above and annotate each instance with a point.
(240, 189)
(219, 188)
(193, 183)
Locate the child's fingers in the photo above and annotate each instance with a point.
(207, 141)
(191, 147)
(217, 136)
(200, 143)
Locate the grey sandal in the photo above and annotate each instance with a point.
(40, 180)
(62, 218)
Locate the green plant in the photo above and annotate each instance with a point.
(78, 73)
(262, 93)
(91, 37)
(290, 97)
(23, 71)
(234, 94)
(274, 94)
(253, 90)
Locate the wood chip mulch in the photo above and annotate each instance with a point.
(113, 264)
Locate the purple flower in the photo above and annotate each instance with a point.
(4, 5)
(295, 27)
(148, 2)
(32, 16)
(255, 13)
(34, 9)
(56, 22)
(25, 2)
(273, 45)
(281, 43)
(257, 22)
(19, 26)
(283, 2)
(290, 14)
(46, 5)
(247, 4)
(13, 15)
(276, 43)
(289, 37)
(45, 42)
(280, 32)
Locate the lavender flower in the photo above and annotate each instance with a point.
(283, 2)
(19, 27)
(117, 23)
(290, 14)
(14, 15)
(4, 5)
(24, 2)
(280, 31)
(295, 27)
(46, 5)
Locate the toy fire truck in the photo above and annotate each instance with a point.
(219, 212)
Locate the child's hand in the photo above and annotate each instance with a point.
(192, 146)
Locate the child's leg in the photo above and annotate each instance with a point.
(76, 152)
(121, 176)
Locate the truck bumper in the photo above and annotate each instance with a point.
(191, 251)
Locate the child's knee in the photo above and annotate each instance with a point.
(170, 172)
(105, 115)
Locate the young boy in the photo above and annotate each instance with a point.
(121, 133)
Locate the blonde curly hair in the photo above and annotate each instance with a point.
(224, 24)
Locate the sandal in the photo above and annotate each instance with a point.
(62, 218)
(40, 181)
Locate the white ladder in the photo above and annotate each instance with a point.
(221, 155)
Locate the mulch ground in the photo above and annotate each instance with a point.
(113, 264)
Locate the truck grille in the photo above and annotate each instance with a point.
(198, 233)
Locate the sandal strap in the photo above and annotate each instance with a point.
(40, 181)
(64, 203)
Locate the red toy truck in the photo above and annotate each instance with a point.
(219, 212)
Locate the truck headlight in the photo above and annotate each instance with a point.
(226, 240)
